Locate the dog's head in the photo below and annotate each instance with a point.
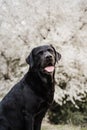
(43, 58)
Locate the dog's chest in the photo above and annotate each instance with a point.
(33, 103)
(38, 107)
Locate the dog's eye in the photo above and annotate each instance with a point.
(50, 50)
(40, 52)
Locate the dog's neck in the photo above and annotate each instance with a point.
(43, 83)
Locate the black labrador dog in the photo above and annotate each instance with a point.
(24, 107)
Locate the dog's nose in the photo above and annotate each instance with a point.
(49, 57)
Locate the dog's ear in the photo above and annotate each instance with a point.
(58, 55)
(30, 59)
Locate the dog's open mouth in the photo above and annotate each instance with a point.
(49, 69)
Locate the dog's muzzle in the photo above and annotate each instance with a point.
(49, 67)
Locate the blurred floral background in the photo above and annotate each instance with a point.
(25, 24)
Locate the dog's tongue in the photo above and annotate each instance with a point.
(49, 68)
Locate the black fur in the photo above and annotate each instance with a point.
(24, 107)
